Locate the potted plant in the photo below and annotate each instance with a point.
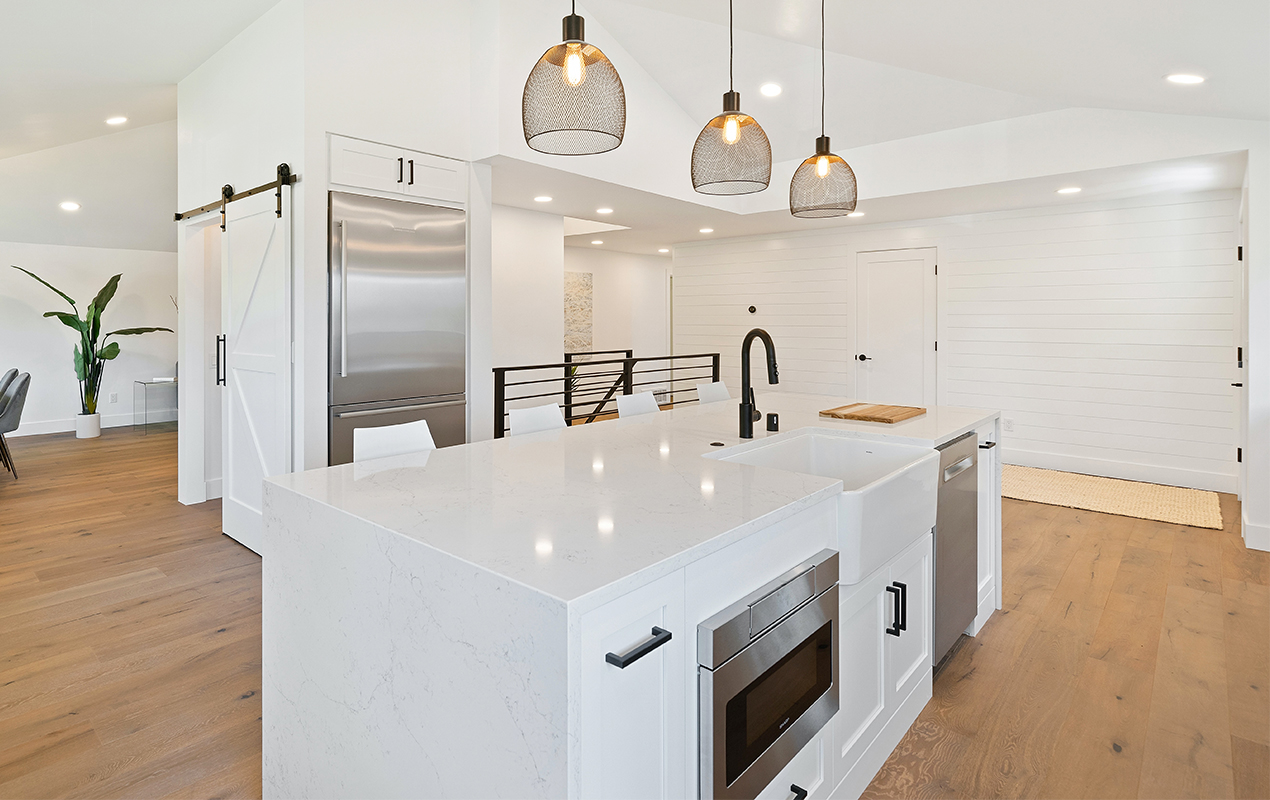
(93, 351)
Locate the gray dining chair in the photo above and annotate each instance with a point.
(11, 403)
(5, 380)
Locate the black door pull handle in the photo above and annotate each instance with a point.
(220, 361)
(659, 637)
(799, 792)
(903, 625)
(401, 170)
(412, 172)
(862, 357)
(1240, 385)
(894, 628)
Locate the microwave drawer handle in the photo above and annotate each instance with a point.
(958, 468)
(623, 660)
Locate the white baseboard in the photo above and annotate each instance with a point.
(1149, 473)
(107, 421)
(987, 606)
(213, 489)
(1256, 537)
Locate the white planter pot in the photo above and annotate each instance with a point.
(87, 426)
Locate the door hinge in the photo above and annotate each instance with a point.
(1241, 252)
(936, 269)
(1239, 357)
(1239, 454)
(936, 347)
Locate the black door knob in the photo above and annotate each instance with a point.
(862, 357)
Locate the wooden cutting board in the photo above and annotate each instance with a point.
(867, 412)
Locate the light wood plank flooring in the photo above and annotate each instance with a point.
(129, 628)
(1130, 660)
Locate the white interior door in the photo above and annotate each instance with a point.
(895, 327)
(255, 312)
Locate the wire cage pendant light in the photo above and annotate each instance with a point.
(732, 154)
(823, 185)
(574, 103)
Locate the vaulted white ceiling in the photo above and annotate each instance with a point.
(68, 65)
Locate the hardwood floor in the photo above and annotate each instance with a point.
(129, 628)
(1131, 659)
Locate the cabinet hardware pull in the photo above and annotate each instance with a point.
(987, 445)
(903, 624)
(412, 173)
(220, 364)
(799, 793)
(894, 628)
(401, 169)
(624, 660)
(343, 226)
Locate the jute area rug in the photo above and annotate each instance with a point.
(1192, 507)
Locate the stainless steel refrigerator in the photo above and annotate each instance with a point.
(398, 300)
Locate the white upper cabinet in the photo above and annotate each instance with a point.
(382, 168)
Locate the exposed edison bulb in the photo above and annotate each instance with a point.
(822, 166)
(731, 129)
(574, 66)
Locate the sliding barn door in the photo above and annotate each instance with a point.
(256, 323)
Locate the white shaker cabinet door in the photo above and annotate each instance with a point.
(863, 613)
(908, 654)
(368, 165)
(633, 738)
(435, 178)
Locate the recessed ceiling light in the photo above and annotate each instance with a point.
(664, 250)
(116, 120)
(1188, 80)
(856, 214)
(542, 198)
(707, 230)
(597, 241)
(1069, 190)
(69, 205)
(604, 211)
(770, 89)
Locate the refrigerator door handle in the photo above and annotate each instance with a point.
(395, 409)
(343, 298)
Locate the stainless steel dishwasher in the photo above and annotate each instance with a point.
(956, 542)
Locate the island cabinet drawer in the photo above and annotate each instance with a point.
(633, 660)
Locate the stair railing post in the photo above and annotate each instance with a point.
(714, 368)
(568, 388)
(500, 400)
(628, 376)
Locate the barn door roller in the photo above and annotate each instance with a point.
(227, 195)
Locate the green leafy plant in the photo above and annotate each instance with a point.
(93, 351)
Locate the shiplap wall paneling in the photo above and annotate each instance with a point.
(1104, 330)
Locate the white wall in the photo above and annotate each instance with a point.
(1106, 331)
(528, 287)
(45, 347)
(629, 299)
(239, 115)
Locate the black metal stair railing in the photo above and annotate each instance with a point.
(587, 387)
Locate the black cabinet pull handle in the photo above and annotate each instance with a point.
(412, 172)
(987, 445)
(894, 628)
(903, 624)
(220, 363)
(401, 169)
(799, 792)
(659, 637)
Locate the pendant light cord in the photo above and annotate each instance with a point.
(731, 46)
(822, 67)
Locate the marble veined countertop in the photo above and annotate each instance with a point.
(575, 511)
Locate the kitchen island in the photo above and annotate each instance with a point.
(436, 624)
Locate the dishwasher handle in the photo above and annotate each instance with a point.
(958, 468)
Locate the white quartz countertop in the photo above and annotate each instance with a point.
(574, 511)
